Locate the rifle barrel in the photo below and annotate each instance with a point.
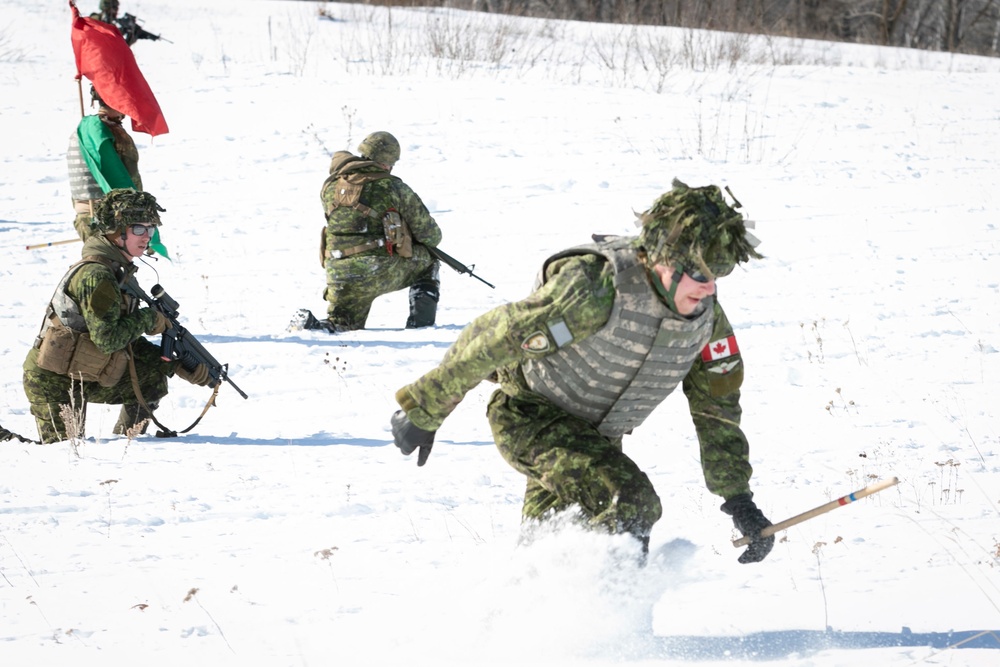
(441, 255)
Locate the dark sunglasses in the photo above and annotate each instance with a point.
(141, 230)
(697, 276)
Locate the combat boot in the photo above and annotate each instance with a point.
(304, 319)
(424, 297)
(132, 415)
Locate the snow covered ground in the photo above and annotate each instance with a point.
(287, 529)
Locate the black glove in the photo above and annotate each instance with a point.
(749, 520)
(409, 437)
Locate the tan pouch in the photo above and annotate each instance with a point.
(397, 234)
(56, 349)
(91, 365)
(348, 191)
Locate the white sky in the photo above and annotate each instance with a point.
(869, 333)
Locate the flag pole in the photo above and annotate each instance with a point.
(79, 90)
(822, 509)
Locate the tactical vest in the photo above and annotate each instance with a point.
(86, 187)
(616, 377)
(395, 233)
(64, 344)
(348, 193)
(82, 184)
(63, 307)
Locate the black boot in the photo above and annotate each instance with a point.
(304, 319)
(424, 297)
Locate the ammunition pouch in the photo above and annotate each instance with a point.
(398, 238)
(64, 351)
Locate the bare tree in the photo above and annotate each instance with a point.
(970, 26)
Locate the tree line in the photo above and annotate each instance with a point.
(957, 26)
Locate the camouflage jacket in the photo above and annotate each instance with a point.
(579, 292)
(95, 294)
(347, 227)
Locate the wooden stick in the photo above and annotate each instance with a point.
(79, 90)
(50, 243)
(822, 509)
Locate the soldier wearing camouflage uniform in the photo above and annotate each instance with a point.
(101, 157)
(108, 12)
(610, 331)
(361, 263)
(93, 329)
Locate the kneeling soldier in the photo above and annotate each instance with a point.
(373, 242)
(93, 330)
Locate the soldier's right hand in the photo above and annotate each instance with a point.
(410, 437)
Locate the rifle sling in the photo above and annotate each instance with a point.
(164, 432)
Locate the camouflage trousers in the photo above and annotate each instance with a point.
(50, 393)
(569, 463)
(353, 284)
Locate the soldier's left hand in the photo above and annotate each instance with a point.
(749, 520)
(159, 325)
(410, 437)
(199, 375)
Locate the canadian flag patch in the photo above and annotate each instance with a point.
(720, 349)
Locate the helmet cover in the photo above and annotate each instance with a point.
(380, 147)
(123, 207)
(696, 229)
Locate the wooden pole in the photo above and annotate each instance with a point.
(79, 90)
(50, 243)
(822, 509)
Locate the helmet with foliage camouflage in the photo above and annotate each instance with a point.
(123, 207)
(380, 147)
(696, 229)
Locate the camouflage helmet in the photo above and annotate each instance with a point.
(696, 229)
(380, 147)
(108, 6)
(123, 207)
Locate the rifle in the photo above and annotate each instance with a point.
(439, 254)
(133, 32)
(177, 342)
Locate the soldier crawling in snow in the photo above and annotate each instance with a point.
(609, 332)
(374, 240)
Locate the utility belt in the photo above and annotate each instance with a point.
(397, 240)
(353, 250)
(85, 205)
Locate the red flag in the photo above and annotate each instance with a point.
(103, 56)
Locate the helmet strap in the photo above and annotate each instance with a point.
(667, 294)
